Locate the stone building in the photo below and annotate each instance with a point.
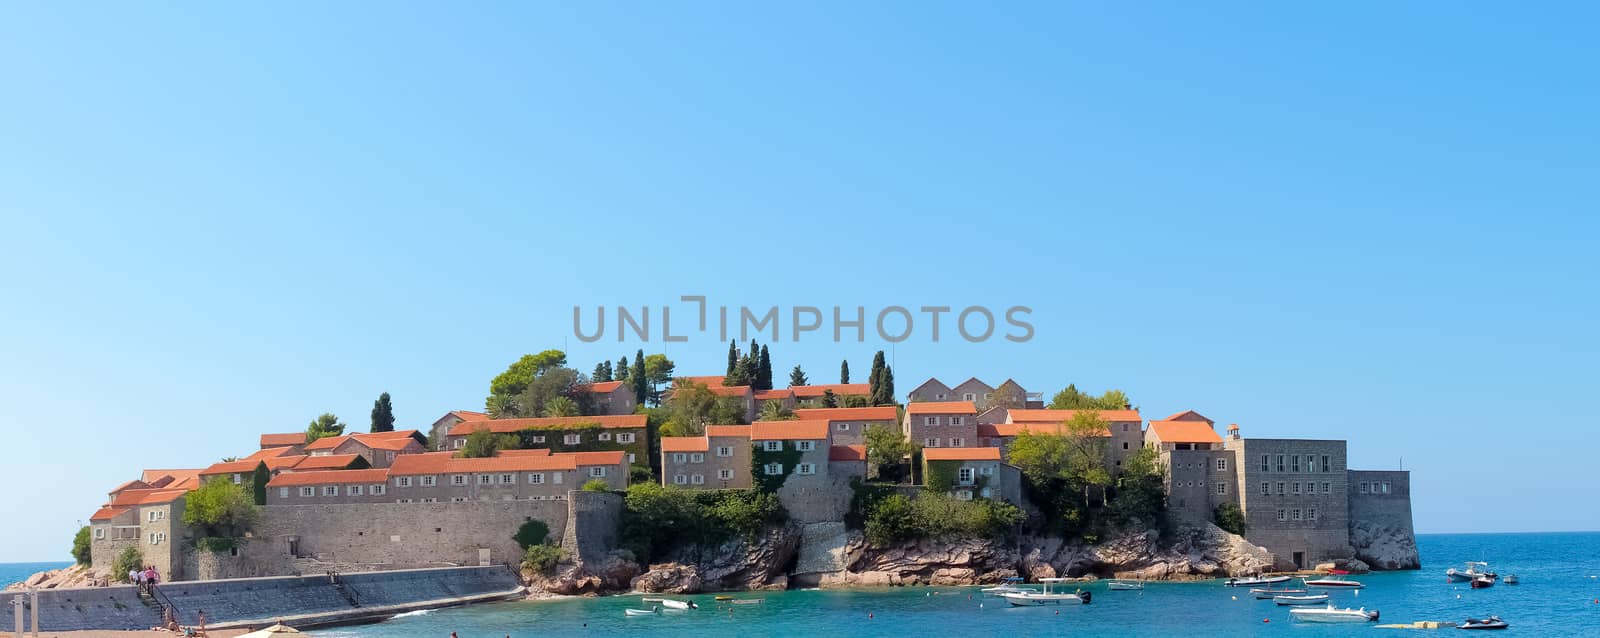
(848, 426)
(439, 432)
(613, 397)
(1124, 429)
(378, 448)
(566, 434)
(974, 472)
(1008, 394)
(295, 441)
(719, 459)
(1380, 518)
(784, 397)
(795, 455)
(147, 520)
(941, 423)
(1201, 475)
(811, 396)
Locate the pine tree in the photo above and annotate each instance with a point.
(764, 370)
(382, 414)
(829, 400)
(602, 372)
(844, 371)
(640, 381)
(621, 373)
(797, 376)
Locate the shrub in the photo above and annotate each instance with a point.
(80, 546)
(596, 485)
(897, 518)
(216, 543)
(640, 474)
(542, 557)
(532, 532)
(129, 560)
(1230, 518)
(657, 519)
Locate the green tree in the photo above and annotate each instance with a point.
(764, 370)
(553, 384)
(130, 559)
(602, 372)
(639, 379)
(258, 483)
(1230, 518)
(875, 379)
(382, 414)
(693, 406)
(829, 400)
(774, 411)
(797, 376)
(1074, 454)
(856, 401)
(596, 485)
(887, 451)
(844, 371)
(560, 406)
(658, 371)
(324, 426)
(80, 546)
(542, 558)
(886, 387)
(482, 444)
(1070, 398)
(221, 509)
(1141, 495)
(621, 371)
(532, 532)
(733, 357)
(502, 407)
(519, 374)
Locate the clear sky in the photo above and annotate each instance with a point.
(1371, 221)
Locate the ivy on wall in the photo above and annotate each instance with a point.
(941, 477)
(788, 457)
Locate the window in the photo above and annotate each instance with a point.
(605, 436)
(1296, 513)
(988, 470)
(1124, 445)
(626, 437)
(430, 481)
(806, 446)
(724, 451)
(1311, 463)
(697, 457)
(956, 441)
(353, 490)
(508, 479)
(1327, 488)
(308, 491)
(458, 479)
(1280, 462)
(806, 468)
(773, 469)
(458, 499)
(388, 456)
(237, 479)
(1283, 515)
(330, 490)
(1311, 514)
(458, 442)
(283, 492)
(1280, 488)
(930, 420)
(970, 396)
(156, 515)
(842, 427)
(1266, 463)
(1385, 487)
(557, 477)
(1266, 488)
(1222, 465)
(966, 476)
(378, 490)
(537, 438)
(680, 479)
(536, 478)
(632, 458)
(958, 420)
(485, 479)
(724, 474)
(772, 446)
(988, 395)
(100, 532)
(1325, 466)
(1294, 462)
(1222, 488)
(403, 481)
(679, 457)
(598, 471)
(1363, 488)
(571, 439)
(931, 442)
(1295, 487)
(698, 479)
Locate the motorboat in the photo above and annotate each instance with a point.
(1046, 596)
(652, 600)
(1332, 583)
(1317, 599)
(1483, 581)
(678, 604)
(1472, 570)
(1331, 614)
(1266, 593)
(1008, 585)
(1510, 579)
(1125, 585)
(642, 612)
(1256, 581)
(1492, 622)
(747, 601)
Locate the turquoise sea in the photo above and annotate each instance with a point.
(1558, 597)
(17, 572)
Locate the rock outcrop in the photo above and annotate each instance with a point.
(1386, 547)
(74, 576)
(613, 573)
(740, 564)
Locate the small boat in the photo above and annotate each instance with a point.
(1332, 583)
(1511, 579)
(1256, 581)
(1492, 622)
(722, 598)
(642, 612)
(1263, 594)
(1301, 600)
(678, 604)
(747, 601)
(1473, 570)
(1048, 596)
(652, 600)
(1006, 586)
(1125, 585)
(1331, 614)
(1483, 581)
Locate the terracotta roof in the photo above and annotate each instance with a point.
(429, 463)
(941, 407)
(327, 442)
(128, 498)
(325, 462)
(538, 451)
(1189, 415)
(329, 477)
(151, 476)
(767, 395)
(1184, 432)
(741, 431)
(506, 426)
(999, 429)
(730, 390)
(961, 454)
(880, 413)
(444, 463)
(604, 387)
(231, 467)
(108, 513)
(710, 381)
(283, 440)
(269, 453)
(187, 484)
(135, 484)
(1058, 416)
(467, 415)
(608, 457)
(788, 430)
(839, 389)
(395, 440)
(847, 453)
(685, 444)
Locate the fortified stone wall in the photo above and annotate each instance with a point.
(593, 519)
(1283, 484)
(1381, 531)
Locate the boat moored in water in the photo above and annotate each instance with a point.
(1047, 596)
(1317, 599)
(1483, 581)
(1269, 592)
(1470, 571)
(1332, 583)
(1125, 585)
(678, 604)
(1511, 579)
(642, 612)
(1009, 585)
(1330, 614)
(1256, 581)
(1492, 622)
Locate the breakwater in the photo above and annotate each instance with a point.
(296, 600)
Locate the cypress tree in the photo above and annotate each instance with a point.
(641, 385)
(621, 373)
(733, 357)
(886, 383)
(602, 372)
(764, 367)
(797, 376)
(875, 379)
(258, 483)
(844, 371)
(382, 414)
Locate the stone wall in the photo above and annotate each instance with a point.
(1380, 522)
(593, 519)
(1327, 538)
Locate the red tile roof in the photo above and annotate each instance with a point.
(741, 431)
(1184, 432)
(710, 381)
(1058, 416)
(880, 413)
(467, 415)
(538, 451)
(507, 426)
(847, 453)
(329, 477)
(999, 429)
(108, 513)
(941, 407)
(731, 390)
(269, 453)
(284, 439)
(768, 395)
(1188, 415)
(788, 430)
(325, 462)
(609, 457)
(128, 498)
(395, 440)
(154, 477)
(135, 484)
(604, 387)
(231, 467)
(327, 442)
(839, 389)
(444, 463)
(685, 444)
(961, 454)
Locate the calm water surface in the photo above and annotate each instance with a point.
(1557, 598)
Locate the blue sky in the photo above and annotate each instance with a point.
(1372, 222)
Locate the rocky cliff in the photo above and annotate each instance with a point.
(74, 576)
(737, 565)
(1384, 546)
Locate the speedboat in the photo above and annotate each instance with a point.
(678, 604)
(1473, 570)
(1009, 585)
(1256, 581)
(1331, 614)
(1263, 594)
(1048, 596)
(1332, 583)
(1511, 579)
(642, 612)
(1301, 600)
(1492, 622)
(1124, 585)
(1483, 581)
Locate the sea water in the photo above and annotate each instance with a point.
(18, 572)
(1558, 596)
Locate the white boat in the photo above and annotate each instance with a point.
(1269, 592)
(678, 604)
(1492, 622)
(1332, 583)
(641, 612)
(1009, 585)
(652, 600)
(1473, 570)
(1511, 579)
(1256, 581)
(747, 601)
(1330, 614)
(1317, 599)
(1048, 596)
(1125, 585)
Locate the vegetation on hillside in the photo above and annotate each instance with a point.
(889, 516)
(382, 414)
(80, 546)
(887, 451)
(130, 559)
(1066, 476)
(657, 519)
(1230, 518)
(1072, 399)
(220, 512)
(324, 426)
